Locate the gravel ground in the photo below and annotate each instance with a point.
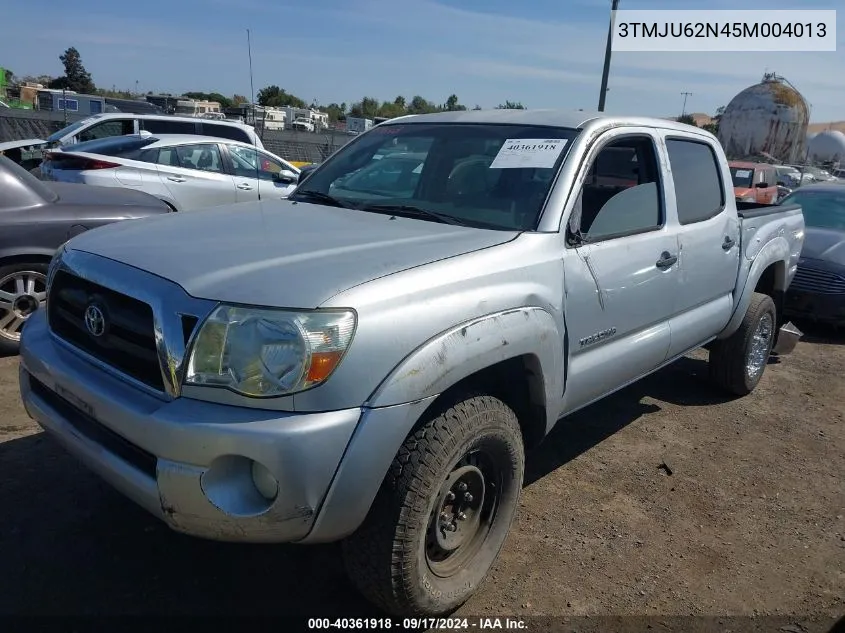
(666, 499)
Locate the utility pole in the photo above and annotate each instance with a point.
(251, 85)
(684, 107)
(606, 71)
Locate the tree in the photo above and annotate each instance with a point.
(335, 111)
(686, 118)
(238, 100)
(452, 104)
(510, 105)
(223, 100)
(276, 97)
(366, 108)
(76, 78)
(419, 105)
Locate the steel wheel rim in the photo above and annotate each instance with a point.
(470, 489)
(21, 294)
(761, 342)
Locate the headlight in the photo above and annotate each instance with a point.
(264, 352)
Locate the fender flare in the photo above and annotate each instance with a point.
(398, 403)
(775, 251)
(472, 346)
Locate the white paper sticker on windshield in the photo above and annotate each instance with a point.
(529, 153)
(743, 173)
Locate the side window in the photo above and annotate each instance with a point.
(161, 126)
(229, 132)
(204, 157)
(250, 163)
(698, 187)
(621, 194)
(105, 129)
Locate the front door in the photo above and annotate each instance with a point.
(255, 173)
(621, 278)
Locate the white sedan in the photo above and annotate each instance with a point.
(188, 172)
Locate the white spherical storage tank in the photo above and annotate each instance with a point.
(827, 146)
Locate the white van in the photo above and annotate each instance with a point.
(120, 123)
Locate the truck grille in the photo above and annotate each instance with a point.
(128, 341)
(818, 281)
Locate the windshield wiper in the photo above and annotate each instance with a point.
(319, 196)
(412, 211)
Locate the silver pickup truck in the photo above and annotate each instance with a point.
(368, 361)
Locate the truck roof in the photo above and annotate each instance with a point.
(553, 118)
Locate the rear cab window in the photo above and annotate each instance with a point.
(699, 192)
(163, 126)
(106, 129)
(229, 132)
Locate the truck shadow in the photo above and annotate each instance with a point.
(69, 545)
(683, 383)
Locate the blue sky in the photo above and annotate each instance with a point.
(545, 53)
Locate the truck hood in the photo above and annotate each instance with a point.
(824, 244)
(280, 253)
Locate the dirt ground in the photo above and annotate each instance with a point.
(749, 522)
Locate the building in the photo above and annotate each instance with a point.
(192, 107)
(319, 119)
(70, 102)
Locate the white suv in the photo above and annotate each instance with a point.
(120, 123)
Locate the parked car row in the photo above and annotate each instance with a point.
(368, 360)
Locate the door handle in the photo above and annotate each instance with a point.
(176, 178)
(728, 244)
(666, 260)
(245, 186)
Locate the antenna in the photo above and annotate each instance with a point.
(252, 106)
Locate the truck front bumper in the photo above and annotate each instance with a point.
(206, 469)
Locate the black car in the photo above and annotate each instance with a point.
(817, 292)
(37, 218)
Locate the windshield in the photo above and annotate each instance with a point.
(742, 177)
(822, 209)
(493, 176)
(115, 145)
(69, 129)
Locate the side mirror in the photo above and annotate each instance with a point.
(762, 185)
(286, 177)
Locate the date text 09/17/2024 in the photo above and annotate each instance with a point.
(417, 624)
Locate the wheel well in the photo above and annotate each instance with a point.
(28, 259)
(518, 382)
(771, 283)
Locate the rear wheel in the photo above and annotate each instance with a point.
(738, 362)
(443, 512)
(23, 290)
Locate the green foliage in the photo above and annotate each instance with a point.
(686, 118)
(224, 101)
(76, 77)
(276, 97)
(510, 105)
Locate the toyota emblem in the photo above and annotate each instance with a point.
(95, 320)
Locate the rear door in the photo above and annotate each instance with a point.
(709, 238)
(195, 176)
(104, 129)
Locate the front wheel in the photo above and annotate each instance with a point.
(443, 511)
(737, 363)
(23, 289)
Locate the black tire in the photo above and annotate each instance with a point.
(10, 346)
(394, 558)
(731, 359)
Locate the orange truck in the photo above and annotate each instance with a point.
(754, 182)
